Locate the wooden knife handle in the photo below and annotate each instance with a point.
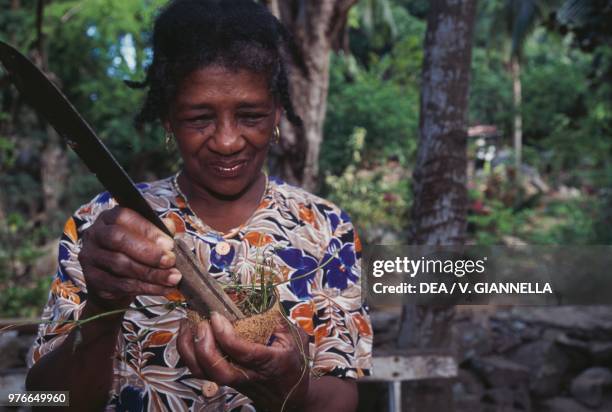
(204, 294)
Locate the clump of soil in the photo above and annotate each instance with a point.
(259, 328)
(256, 327)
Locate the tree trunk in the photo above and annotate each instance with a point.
(316, 27)
(2, 212)
(439, 210)
(53, 172)
(515, 67)
(53, 160)
(439, 180)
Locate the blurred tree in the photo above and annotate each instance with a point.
(439, 179)
(53, 159)
(317, 28)
(521, 17)
(439, 209)
(517, 20)
(439, 174)
(509, 25)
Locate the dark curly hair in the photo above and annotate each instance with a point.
(237, 34)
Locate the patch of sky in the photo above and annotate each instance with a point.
(91, 31)
(128, 51)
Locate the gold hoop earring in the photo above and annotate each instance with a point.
(169, 140)
(276, 135)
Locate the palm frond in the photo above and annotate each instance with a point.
(525, 15)
(574, 12)
(376, 13)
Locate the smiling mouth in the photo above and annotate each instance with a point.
(229, 170)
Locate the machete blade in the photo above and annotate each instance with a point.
(39, 92)
(202, 291)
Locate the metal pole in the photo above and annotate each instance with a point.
(395, 396)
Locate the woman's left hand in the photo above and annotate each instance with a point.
(268, 375)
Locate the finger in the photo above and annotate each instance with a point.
(109, 286)
(210, 359)
(103, 285)
(143, 250)
(101, 280)
(242, 351)
(186, 349)
(125, 217)
(137, 287)
(123, 266)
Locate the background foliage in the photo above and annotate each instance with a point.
(563, 194)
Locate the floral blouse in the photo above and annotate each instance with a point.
(307, 241)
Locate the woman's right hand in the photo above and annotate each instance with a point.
(124, 255)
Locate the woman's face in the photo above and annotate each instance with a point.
(223, 121)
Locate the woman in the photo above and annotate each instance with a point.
(218, 85)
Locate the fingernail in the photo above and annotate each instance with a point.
(168, 259)
(165, 242)
(175, 277)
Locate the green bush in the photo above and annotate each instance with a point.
(21, 294)
(378, 199)
(389, 114)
